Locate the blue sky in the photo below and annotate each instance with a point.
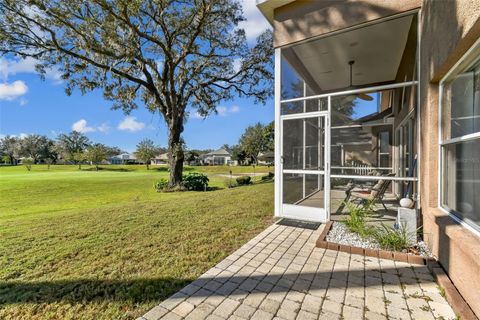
(29, 105)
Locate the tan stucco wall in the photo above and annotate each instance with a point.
(448, 29)
(304, 19)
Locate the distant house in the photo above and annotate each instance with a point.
(266, 158)
(217, 157)
(160, 159)
(124, 158)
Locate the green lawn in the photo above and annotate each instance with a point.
(81, 244)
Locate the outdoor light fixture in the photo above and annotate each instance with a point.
(361, 95)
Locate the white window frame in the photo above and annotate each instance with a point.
(471, 57)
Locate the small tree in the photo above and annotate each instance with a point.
(6, 159)
(253, 141)
(146, 151)
(69, 144)
(191, 156)
(78, 157)
(48, 161)
(96, 154)
(9, 146)
(239, 154)
(28, 163)
(36, 147)
(269, 137)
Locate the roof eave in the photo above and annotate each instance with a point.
(267, 7)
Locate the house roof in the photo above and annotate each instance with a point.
(124, 156)
(266, 155)
(219, 152)
(162, 156)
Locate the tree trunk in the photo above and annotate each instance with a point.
(148, 167)
(176, 154)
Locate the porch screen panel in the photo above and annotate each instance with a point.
(310, 105)
(296, 81)
(303, 190)
(303, 144)
(361, 134)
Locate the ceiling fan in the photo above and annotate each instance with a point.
(360, 95)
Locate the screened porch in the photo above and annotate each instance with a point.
(347, 122)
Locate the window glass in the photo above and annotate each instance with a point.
(384, 142)
(461, 159)
(461, 112)
(461, 185)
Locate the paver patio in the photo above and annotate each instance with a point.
(280, 274)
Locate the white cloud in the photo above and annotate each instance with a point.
(104, 128)
(234, 109)
(81, 126)
(196, 115)
(12, 91)
(12, 67)
(21, 135)
(221, 111)
(23, 102)
(224, 111)
(131, 124)
(256, 23)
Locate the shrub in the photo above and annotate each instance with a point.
(244, 180)
(392, 239)
(268, 177)
(195, 181)
(230, 183)
(161, 185)
(355, 221)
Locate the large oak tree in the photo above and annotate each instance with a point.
(173, 56)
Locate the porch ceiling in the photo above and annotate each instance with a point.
(377, 50)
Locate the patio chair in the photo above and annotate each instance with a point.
(373, 194)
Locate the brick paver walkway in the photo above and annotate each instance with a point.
(281, 274)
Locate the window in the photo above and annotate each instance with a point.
(384, 144)
(460, 143)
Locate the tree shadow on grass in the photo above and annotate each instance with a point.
(86, 290)
(158, 289)
(109, 169)
(167, 169)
